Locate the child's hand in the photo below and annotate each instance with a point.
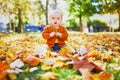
(58, 34)
(52, 34)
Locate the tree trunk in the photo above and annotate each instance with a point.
(47, 1)
(80, 19)
(119, 20)
(19, 21)
(14, 27)
(10, 26)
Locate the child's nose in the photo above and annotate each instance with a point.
(55, 20)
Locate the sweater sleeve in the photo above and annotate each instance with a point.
(46, 34)
(64, 34)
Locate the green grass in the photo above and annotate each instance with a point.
(66, 74)
(34, 74)
(115, 73)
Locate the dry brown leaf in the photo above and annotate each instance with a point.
(83, 64)
(32, 60)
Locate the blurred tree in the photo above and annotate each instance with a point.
(109, 6)
(73, 24)
(18, 8)
(4, 10)
(98, 26)
(21, 9)
(81, 8)
(46, 14)
(38, 9)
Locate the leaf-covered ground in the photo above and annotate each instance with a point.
(26, 57)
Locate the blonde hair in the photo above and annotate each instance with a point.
(56, 11)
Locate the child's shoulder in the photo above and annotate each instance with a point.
(62, 26)
(48, 26)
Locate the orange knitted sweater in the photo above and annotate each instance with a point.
(51, 40)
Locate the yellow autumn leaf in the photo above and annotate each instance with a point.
(58, 64)
(48, 76)
(45, 67)
(66, 50)
(2, 43)
(50, 61)
(27, 70)
(25, 55)
(2, 51)
(12, 76)
(11, 52)
(95, 77)
(60, 58)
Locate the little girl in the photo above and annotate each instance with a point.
(55, 33)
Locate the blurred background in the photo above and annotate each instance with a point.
(78, 15)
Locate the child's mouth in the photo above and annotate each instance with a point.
(55, 23)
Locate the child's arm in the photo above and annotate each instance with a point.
(46, 34)
(64, 34)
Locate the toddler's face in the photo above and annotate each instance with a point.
(55, 19)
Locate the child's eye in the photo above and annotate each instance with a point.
(58, 18)
(53, 18)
